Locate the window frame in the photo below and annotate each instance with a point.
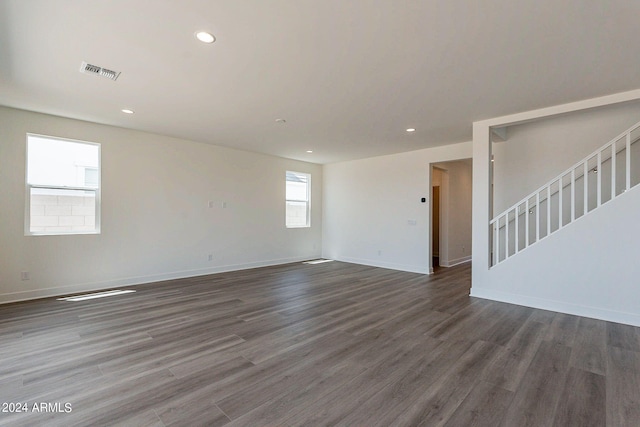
(28, 187)
(307, 201)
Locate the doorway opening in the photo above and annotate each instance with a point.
(450, 214)
(435, 221)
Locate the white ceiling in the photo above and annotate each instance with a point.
(349, 76)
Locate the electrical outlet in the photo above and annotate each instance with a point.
(24, 275)
(379, 252)
(210, 257)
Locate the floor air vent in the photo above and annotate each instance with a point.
(98, 71)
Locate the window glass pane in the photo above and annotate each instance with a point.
(297, 177)
(56, 211)
(61, 163)
(297, 186)
(296, 191)
(296, 214)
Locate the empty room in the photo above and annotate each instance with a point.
(306, 212)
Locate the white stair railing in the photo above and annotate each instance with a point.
(598, 178)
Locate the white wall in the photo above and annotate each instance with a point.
(455, 199)
(537, 152)
(369, 203)
(156, 223)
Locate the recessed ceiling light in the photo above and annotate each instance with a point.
(309, 151)
(127, 111)
(205, 37)
(411, 130)
(281, 121)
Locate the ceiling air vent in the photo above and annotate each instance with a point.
(98, 71)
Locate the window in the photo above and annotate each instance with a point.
(298, 200)
(63, 186)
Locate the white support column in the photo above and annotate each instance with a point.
(482, 205)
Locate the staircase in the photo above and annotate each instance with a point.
(600, 177)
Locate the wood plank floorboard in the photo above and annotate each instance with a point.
(512, 361)
(326, 344)
(485, 405)
(589, 350)
(540, 391)
(622, 385)
(583, 400)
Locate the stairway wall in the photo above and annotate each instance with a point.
(590, 268)
(604, 174)
(537, 152)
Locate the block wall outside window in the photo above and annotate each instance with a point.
(62, 211)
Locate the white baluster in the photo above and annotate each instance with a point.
(628, 161)
(599, 178)
(497, 242)
(586, 188)
(560, 203)
(517, 229)
(573, 194)
(537, 216)
(548, 210)
(613, 170)
(496, 235)
(506, 236)
(526, 224)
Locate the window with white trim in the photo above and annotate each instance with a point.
(63, 186)
(298, 203)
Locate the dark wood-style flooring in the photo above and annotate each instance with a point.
(328, 344)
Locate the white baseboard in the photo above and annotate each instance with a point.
(139, 280)
(558, 306)
(391, 266)
(455, 262)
